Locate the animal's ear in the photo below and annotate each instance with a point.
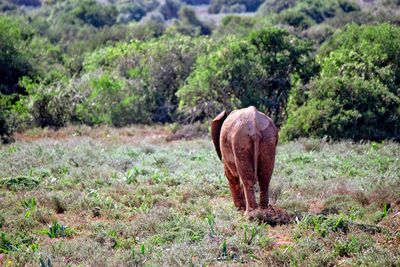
(216, 131)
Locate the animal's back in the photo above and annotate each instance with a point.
(242, 133)
(248, 122)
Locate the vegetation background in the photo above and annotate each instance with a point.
(318, 68)
(75, 75)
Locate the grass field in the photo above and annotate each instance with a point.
(125, 197)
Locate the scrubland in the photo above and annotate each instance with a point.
(126, 197)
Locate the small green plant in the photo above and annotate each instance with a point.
(381, 214)
(224, 251)
(211, 223)
(350, 246)
(15, 183)
(249, 234)
(131, 176)
(43, 263)
(10, 243)
(6, 244)
(29, 205)
(57, 230)
(386, 210)
(323, 224)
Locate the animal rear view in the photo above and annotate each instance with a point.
(246, 142)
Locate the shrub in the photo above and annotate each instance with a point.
(10, 243)
(216, 6)
(189, 24)
(137, 80)
(303, 14)
(275, 6)
(110, 101)
(13, 61)
(57, 230)
(234, 25)
(47, 104)
(19, 182)
(170, 9)
(93, 13)
(356, 96)
(255, 71)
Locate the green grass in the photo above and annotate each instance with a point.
(122, 197)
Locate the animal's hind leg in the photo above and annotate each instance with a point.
(245, 168)
(236, 190)
(266, 164)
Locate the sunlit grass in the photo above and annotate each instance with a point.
(126, 197)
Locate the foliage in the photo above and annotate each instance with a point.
(13, 60)
(255, 71)
(305, 13)
(189, 24)
(170, 9)
(234, 25)
(139, 82)
(29, 205)
(57, 230)
(323, 225)
(216, 6)
(110, 101)
(20, 182)
(356, 96)
(10, 243)
(47, 104)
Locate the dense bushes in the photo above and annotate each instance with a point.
(255, 71)
(121, 84)
(217, 6)
(92, 62)
(13, 61)
(305, 13)
(357, 94)
(152, 72)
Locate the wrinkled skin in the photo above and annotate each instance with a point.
(246, 142)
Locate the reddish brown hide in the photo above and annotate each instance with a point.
(246, 143)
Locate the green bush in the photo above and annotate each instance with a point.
(189, 24)
(13, 60)
(275, 6)
(170, 9)
(110, 101)
(139, 80)
(216, 6)
(46, 104)
(305, 13)
(255, 70)
(356, 96)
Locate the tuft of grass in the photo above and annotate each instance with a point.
(59, 205)
(211, 223)
(12, 243)
(57, 230)
(29, 205)
(341, 204)
(323, 225)
(20, 182)
(351, 246)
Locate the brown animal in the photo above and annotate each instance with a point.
(245, 141)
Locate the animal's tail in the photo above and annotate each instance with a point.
(256, 143)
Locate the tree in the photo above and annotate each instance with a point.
(13, 61)
(256, 70)
(357, 94)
